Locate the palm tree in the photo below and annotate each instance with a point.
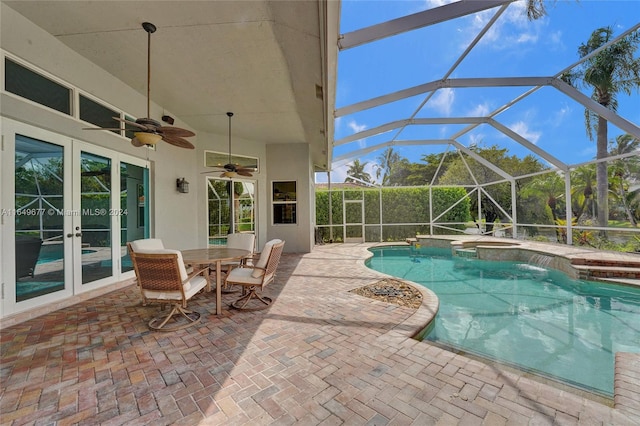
(356, 173)
(625, 173)
(610, 71)
(386, 162)
(583, 179)
(535, 9)
(551, 187)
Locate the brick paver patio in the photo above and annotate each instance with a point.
(318, 355)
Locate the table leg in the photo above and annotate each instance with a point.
(218, 288)
(208, 276)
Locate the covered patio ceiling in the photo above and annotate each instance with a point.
(267, 61)
(406, 119)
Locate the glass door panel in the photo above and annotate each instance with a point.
(134, 203)
(231, 206)
(96, 213)
(244, 207)
(39, 218)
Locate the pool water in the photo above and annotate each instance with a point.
(53, 252)
(217, 241)
(534, 318)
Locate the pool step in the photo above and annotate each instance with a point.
(467, 253)
(627, 263)
(589, 272)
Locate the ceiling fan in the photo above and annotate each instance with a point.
(230, 169)
(147, 131)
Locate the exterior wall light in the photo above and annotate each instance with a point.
(182, 185)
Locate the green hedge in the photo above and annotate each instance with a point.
(399, 205)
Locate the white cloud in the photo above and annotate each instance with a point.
(555, 41)
(442, 101)
(557, 119)
(371, 168)
(430, 4)
(339, 174)
(356, 127)
(511, 30)
(526, 38)
(522, 128)
(480, 110)
(475, 139)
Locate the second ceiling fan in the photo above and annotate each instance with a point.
(148, 131)
(233, 169)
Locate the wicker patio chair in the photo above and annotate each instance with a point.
(255, 277)
(239, 240)
(162, 278)
(146, 244)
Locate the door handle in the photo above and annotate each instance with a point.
(78, 234)
(69, 235)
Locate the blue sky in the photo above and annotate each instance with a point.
(513, 47)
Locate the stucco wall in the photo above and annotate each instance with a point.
(291, 163)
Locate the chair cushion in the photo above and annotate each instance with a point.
(190, 289)
(147, 244)
(264, 258)
(243, 241)
(244, 276)
(183, 270)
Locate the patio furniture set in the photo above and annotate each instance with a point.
(172, 277)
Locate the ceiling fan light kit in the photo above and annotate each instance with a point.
(148, 131)
(148, 138)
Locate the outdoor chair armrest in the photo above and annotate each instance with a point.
(195, 272)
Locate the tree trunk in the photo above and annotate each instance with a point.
(601, 175)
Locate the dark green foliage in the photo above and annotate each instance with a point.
(407, 207)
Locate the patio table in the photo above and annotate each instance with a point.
(215, 255)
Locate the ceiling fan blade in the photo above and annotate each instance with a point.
(243, 172)
(135, 142)
(218, 168)
(131, 123)
(176, 141)
(175, 131)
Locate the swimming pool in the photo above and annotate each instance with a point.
(533, 318)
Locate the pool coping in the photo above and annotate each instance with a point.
(577, 262)
(626, 392)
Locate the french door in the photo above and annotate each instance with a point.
(231, 208)
(68, 209)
